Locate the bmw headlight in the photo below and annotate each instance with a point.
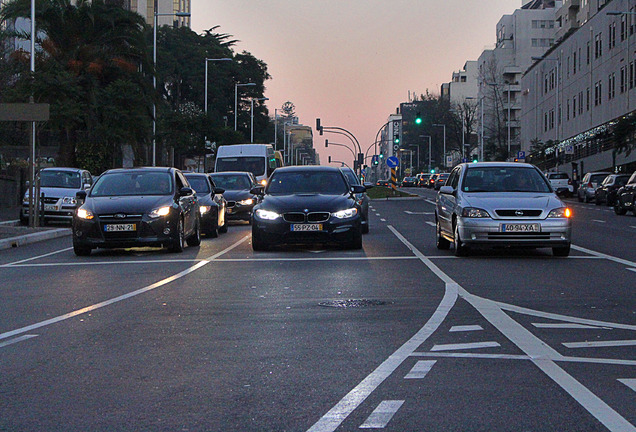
(266, 214)
(204, 209)
(69, 200)
(245, 202)
(472, 212)
(159, 212)
(344, 214)
(83, 213)
(561, 212)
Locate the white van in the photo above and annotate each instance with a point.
(255, 158)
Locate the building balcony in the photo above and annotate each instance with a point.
(512, 70)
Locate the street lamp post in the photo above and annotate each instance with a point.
(444, 157)
(429, 151)
(154, 75)
(236, 86)
(252, 116)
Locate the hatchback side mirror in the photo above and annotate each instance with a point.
(358, 189)
(80, 196)
(185, 191)
(448, 190)
(368, 185)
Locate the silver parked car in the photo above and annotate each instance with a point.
(496, 204)
(587, 189)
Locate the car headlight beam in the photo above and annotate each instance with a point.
(83, 213)
(159, 212)
(248, 201)
(204, 209)
(344, 214)
(266, 214)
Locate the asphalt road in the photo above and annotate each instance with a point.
(398, 336)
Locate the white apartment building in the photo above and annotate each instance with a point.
(584, 84)
(529, 32)
(165, 11)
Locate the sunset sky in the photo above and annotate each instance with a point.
(351, 62)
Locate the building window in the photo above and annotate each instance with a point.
(545, 122)
(612, 35)
(587, 61)
(598, 45)
(623, 82)
(574, 63)
(574, 107)
(545, 84)
(598, 91)
(587, 99)
(623, 27)
(551, 119)
(567, 110)
(611, 86)
(632, 76)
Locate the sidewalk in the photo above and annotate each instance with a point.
(12, 234)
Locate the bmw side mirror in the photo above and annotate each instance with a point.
(358, 189)
(219, 191)
(80, 196)
(257, 190)
(368, 185)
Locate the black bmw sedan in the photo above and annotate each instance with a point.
(137, 207)
(237, 185)
(307, 205)
(211, 203)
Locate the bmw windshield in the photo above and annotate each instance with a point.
(315, 182)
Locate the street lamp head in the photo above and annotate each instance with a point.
(182, 14)
(219, 59)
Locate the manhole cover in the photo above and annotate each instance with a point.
(352, 303)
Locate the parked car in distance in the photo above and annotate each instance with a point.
(589, 183)
(58, 186)
(626, 197)
(606, 192)
(440, 180)
(561, 183)
(132, 207)
(501, 204)
(409, 182)
(211, 203)
(361, 198)
(240, 201)
(307, 205)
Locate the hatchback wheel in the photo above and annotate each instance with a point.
(442, 242)
(81, 250)
(178, 243)
(460, 249)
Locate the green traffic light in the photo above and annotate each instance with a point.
(418, 120)
(396, 140)
(432, 171)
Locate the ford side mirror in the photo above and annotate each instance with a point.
(80, 195)
(219, 191)
(185, 191)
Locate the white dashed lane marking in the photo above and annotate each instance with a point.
(464, 346)
(382, 415)
(465, 328)
(421, 368)
(601, 344)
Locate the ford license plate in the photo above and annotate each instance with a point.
(306, 227)
(520, 227)
(119, 227)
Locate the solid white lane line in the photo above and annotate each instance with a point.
(382, 415)
(631, 269)
(420, 369)
(599, 221)
(464, 346)
(121, 297)
(567, 326)
(418, 213)
(37, 257)
(90, 263)
(602, 255)
(629, 382)
(566, 359)
(465, 328)
(430, 202)
(601, 344)
(383, 220)
(280, 259)
(18, 339)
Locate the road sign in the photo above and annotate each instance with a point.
(449, 161)
(521, 155)
(569, 149)
(392, 161)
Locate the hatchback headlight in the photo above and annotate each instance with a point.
(343, 214)
(248, 201)
(83, 213)
(204, 209)
(472, 212)
(561, 212)
(266, 214)
(158, 212)
(69, 200)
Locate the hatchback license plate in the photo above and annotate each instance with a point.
(120, 227)
(306, 227)
(520, 228)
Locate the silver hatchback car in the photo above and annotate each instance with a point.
(495, 204)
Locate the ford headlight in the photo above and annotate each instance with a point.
(69, 200)
(266, 214)
(343, 214)
(244, 202)
(561, 212)
(83, 213)
(158, 212)
(472, 212)
(204, 209)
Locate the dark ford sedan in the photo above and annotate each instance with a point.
(237, 185)
(211, 203)
(307, 205)
(137, 207)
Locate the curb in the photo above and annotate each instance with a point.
(22, 240)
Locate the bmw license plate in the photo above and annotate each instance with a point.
(520, 227)
(120, 227)
(306, 227)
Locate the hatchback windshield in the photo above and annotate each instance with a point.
(133, 183)
(199, 183)
(504, 179)
(315, 182)
(60, 179)
(232, 182)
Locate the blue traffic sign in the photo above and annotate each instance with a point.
(521, 155)
(392, 161)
